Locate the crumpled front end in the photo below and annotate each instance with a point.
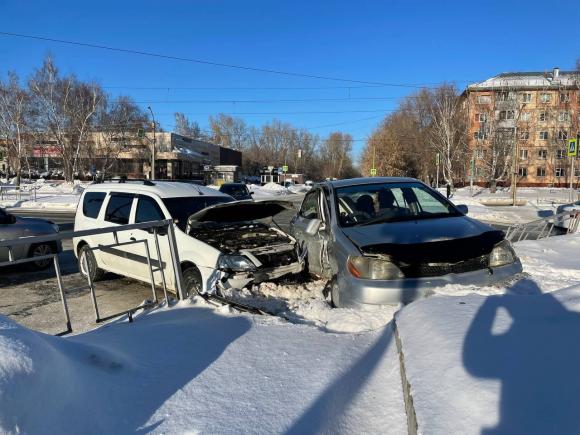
(251, 253)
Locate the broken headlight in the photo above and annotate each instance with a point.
(502, 254)
(236, 263)
(373, 268)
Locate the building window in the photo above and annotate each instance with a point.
(544, 135)
(523, 172)
(542, 154)
(523, 154)
(483, 99)
(541, 172)
(526, 97)
(506, 114)
(545, 97)
(481, 117)
(560, 172)
(505, 96)
(564, 116)
(564, 97)
(561, 154)
(480, 153)
(543, 116)
(526, 116)
(576, 172)
(479, 135)
(524, 135)
(563, 135)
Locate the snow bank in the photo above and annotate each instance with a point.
(497, 364)
(190, 369)
(269, 189)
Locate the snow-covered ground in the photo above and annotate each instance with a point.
(195, 370)
(42, 194)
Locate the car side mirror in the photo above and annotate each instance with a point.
(313, 226)
(462, 208)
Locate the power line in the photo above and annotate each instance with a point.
(204, 62)
(268, 101)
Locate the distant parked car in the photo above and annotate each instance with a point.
(391, 240)
(238, 191)
(569, 222)
(14, 227)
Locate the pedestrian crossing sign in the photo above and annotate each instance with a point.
(572, 147)
(373, 172)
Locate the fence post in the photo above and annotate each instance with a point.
(175, 260)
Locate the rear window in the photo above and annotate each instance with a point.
(119, 209)
(92, 203)
(148, 210)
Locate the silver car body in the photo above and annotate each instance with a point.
(330, 246)
(15, 227)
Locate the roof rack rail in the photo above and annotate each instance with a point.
(124, 179)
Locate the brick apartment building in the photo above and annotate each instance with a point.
(538, 110)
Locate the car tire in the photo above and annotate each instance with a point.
(38, 250)
(94, 272)
(192, 280)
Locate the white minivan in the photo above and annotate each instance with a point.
(221, 243)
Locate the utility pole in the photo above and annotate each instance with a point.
(515, 158)
(154, 145)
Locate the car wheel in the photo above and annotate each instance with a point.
(94, 272)
(192, 280)
(38, 251)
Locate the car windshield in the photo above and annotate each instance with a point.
(390, 202)
(181, 208)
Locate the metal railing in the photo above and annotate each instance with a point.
(16, 192)
(562, 223)
(154, 226)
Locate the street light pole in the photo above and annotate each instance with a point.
(154, 143)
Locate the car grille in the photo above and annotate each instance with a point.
(278, 259)
(421, 270)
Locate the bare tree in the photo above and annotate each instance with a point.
(15, 112)
(66, 108)
(336, 153)
(185, 127)
(448, 130)
(228, 131)
(118, 123)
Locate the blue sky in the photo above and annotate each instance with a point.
(399, 42)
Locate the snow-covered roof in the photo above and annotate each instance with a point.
(533, 79)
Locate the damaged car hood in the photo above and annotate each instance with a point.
(240, 211)
(447, 239)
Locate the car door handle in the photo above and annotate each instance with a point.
(133, 239)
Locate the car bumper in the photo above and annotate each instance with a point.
(240, 280)
(353, 292)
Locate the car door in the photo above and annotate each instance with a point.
(8, 230)
(117, 213)
(147, 209)
(309, 229)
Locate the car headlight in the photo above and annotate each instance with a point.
(237, 263)
(502, 254)
(373, 268)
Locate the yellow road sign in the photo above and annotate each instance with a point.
(373, 172)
